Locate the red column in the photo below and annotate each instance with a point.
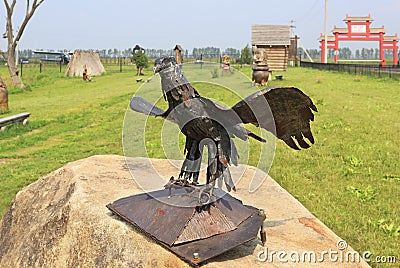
(395, 58)
(381, 54)
(323, 51)
(336, 49)
(368, 28)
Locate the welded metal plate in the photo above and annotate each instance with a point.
(205, 223)
(207, 231)
(218, 244)
(162, 221)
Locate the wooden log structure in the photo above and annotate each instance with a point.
(274, 40)
(3, 96)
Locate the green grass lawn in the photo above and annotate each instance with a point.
(350, 179)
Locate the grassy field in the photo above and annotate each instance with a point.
(350, 179)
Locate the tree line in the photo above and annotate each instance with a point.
(207, 52)
(213, 52)
(347, 53)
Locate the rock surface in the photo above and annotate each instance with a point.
(61, 220)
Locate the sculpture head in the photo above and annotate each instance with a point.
(163, 63)
(171, 74)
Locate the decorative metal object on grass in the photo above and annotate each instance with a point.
(191, 219)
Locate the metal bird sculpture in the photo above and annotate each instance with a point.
(284, 111)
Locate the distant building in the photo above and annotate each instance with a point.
(274, 41)
(359, 29)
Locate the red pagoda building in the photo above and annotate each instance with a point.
(359, 29)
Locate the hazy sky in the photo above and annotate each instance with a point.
(98, 24)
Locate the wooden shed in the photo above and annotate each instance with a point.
(274, 40)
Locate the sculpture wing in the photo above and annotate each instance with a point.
(138, 104)
(284, 111)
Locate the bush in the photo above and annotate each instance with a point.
(141, 61)
(246, 55)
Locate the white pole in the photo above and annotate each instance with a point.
(305, 50)
(326, 32)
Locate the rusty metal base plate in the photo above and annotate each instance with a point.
(194, 233)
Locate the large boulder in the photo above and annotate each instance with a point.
(61, 220)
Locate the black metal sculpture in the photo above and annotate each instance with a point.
(284, 111)
(200, 215)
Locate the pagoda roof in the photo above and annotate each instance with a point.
(378, 30)
(340, 30)
(358, 18)
(330, 38)
(391, 37)
(386, 38)
(372, 30)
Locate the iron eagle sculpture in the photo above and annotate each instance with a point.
(284, 111)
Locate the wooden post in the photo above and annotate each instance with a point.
(3, 96)
(296, 58)
(178, 54)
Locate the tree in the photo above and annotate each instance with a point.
(232, 52)
(12, 40)
(246, 55)
(331, 53)
(141, 61)
(109, 52)
(116, 53)
(345, 53)
(364, 53)
(357, 53)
